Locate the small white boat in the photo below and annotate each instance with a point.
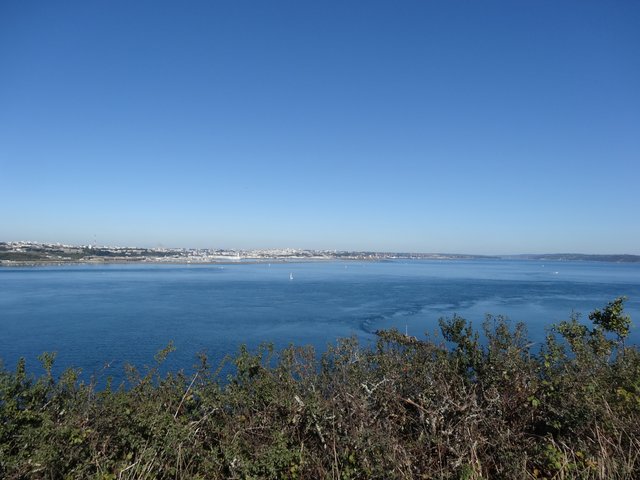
(291, 276)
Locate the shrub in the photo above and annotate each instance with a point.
(473, 404)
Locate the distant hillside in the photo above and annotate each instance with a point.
(13, 253)
(623, 258)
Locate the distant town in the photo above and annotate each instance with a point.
(25, 252)
(34, 253)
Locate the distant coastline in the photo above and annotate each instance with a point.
(563, 257)
(26, 253)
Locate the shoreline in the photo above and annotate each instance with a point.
(32, 254)
(18, 264)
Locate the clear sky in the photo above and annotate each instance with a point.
(429, 126)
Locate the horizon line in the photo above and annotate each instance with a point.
(405, 252)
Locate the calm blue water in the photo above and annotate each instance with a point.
(97, 315)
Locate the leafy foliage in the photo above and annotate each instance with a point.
(474, 404)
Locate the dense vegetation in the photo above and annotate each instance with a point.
(467, 405)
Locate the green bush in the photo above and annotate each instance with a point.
(471, 404)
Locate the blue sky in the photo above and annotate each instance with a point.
(431, 126)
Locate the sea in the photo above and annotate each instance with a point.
(100, 317)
